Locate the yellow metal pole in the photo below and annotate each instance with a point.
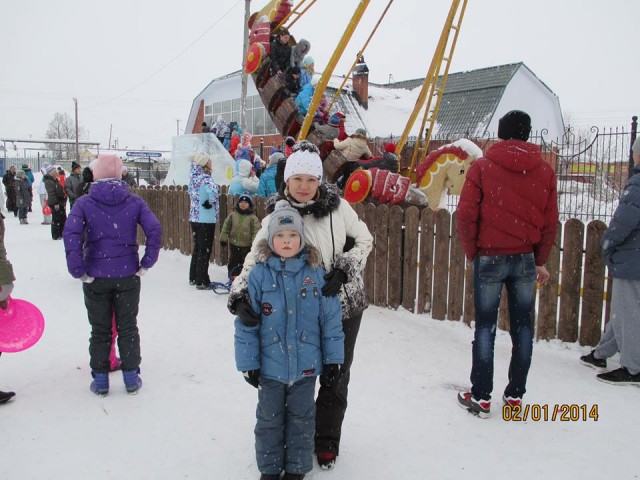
(294, 11)
(435, 61)
(328, 71)
(422, 150)
(366, 44)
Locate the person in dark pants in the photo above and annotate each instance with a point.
(507, 222)
(238, 231)
(203, 213)
(344, 241)
(109, 266)
(10, 187)
(56, 200)
(284, 370)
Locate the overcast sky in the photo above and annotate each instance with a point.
(136, 65)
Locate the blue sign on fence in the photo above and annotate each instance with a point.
(144, 154)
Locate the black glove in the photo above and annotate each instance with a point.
(207, 205)
(252, 377)
(330, 375)
(335, 279)
(223, 244)
(247, 316)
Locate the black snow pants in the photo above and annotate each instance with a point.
(331, 403)
(103, 298)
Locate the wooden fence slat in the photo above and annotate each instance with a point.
(593, 290)
(410, 263)
(381, 242)
(368, 216)
(571, 276)
(187, 235)
(456, 274)
(548, 303)
(395, 256)
(425, 268)
(441, 264)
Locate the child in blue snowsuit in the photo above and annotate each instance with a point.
(298, 336)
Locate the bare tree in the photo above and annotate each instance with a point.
(62, 127)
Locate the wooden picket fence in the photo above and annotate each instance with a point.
(417, 263)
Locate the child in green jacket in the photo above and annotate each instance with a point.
(239, 230)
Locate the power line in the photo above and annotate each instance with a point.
(170, 61)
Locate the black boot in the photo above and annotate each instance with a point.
(293, 476)
(269, 476)
(6, 396)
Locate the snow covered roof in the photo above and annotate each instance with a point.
(469, 102)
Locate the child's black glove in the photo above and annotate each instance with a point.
(335, 279)
(252, 377)
(247, 316)
(207, 205)
(330, 375)
(223, 244)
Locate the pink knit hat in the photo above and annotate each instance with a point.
(107, 166)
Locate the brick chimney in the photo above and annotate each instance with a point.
(361, 83)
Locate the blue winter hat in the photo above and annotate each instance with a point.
(245, 197)
(244, 154)
(334, 120)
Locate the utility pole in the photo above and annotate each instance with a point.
(75, 101)
(245, 48)
(110, 132)
(177, 126)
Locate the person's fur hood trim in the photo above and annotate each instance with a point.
(263, 252)
(328, 202)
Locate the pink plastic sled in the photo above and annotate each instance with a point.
(21, 325)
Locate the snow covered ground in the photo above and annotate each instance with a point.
(194, 416)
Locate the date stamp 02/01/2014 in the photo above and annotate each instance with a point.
(567, 412)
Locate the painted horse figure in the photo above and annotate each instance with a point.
(445, 170)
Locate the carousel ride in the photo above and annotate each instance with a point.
(423, 178)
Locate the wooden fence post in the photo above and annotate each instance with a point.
(410, 263)
(381, 237)
(571, 277)
(396, 220)
(425, 267)
(441, 264)
(593, 291)
(548, 308)
(456, 274)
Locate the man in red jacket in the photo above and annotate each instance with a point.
(507, 222)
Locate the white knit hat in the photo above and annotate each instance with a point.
(200, 158)
(305, 159)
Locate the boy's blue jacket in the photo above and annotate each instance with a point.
(299, 330)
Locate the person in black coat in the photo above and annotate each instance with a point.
(85, 182)
(56, 200)
(9, 181)
(280, 54)
(292, 86)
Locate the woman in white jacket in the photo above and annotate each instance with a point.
(344, 242)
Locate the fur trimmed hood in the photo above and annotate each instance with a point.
(328, 202)
(263, 252)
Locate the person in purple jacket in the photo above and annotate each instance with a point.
(100, 240)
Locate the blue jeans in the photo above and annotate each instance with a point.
(491, 272)
(285, 426)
